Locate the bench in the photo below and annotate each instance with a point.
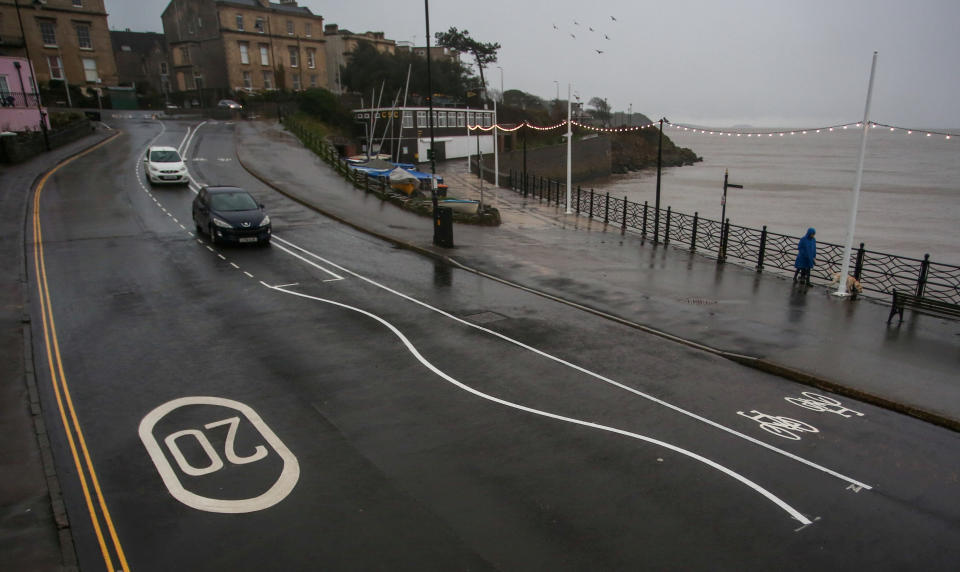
(923, 305)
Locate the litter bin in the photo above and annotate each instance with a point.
(443, 233)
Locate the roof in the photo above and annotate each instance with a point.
(303, 10)
(139, 42)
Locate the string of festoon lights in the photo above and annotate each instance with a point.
(723, 132)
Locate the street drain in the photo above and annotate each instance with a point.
(485, 317)
(700, 301)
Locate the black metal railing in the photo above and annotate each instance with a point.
(18, 99)
(878, 272)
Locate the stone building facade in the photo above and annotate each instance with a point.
(67, 40)
(244, 45)
(142, 60)
(340, 43)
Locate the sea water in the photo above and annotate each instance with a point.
(909, 199)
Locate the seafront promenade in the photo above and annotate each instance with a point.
(760, 320)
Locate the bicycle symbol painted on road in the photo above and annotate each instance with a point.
(779, 425)
(822, 404)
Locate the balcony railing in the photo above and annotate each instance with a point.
(19, 99)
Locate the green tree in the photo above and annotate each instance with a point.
(483, 53)
(367, 70)
(601, 109)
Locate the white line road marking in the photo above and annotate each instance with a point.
(222, 257)
(248, 274)
(795, 514)
(310, 262)
(286, 285)
(234, 265)
(584, 370)
(210, 249)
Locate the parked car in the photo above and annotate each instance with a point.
(231, 215)
(165, 165)
(229, 104)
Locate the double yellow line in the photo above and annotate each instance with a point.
(97, 508)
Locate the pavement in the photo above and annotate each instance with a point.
(761, 320)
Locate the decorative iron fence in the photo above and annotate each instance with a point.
(877, 272)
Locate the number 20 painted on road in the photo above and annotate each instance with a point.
(288, 478)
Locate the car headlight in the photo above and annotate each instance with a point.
(265, 221)
(221, 223)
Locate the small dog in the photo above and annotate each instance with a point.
(853, 285)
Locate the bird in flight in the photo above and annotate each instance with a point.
(555, 27)
(612, 18)
(591, 29)
(599, 51)
(572, 36)
(606, 37)
(575, 23)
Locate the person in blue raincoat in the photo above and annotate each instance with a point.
(806, 255)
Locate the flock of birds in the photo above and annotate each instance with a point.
(591, 29)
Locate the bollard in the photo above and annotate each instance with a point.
(763, 247)
(606, 209)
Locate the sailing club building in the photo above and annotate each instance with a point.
(406, 129)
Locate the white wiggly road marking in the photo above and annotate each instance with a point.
(585, 371)
(794, 513)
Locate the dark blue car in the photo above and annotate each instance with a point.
(231, 215)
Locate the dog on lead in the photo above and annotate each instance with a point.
(853, 285)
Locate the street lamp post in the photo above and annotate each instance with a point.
(501, 84)
(656, 207)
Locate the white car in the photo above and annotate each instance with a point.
(230, 104)
(165, 165)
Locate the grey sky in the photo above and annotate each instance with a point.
(758, 62)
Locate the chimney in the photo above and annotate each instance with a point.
(331, 29)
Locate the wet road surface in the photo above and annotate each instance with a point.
(333, 402)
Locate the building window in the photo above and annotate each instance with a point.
(307, 30)
(247, 81)
(197, 80)
(289, 27)
(460, 119)
(244, 53)
(407, 120)
(83, 37)
(78, 3)
(296, 81)
(471, 119)
(259, 25)
(163, 68)
(56, 67)
(239, 22)
(311, 58)
(126, 49)
(48, 31)
(268, 80)
(487, 120)
(442, 119)
(264, 55)
(421, 119)
(313, 80)
(90, 70)
(294, 57)
(184, 54)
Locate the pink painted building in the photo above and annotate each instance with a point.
(18, 97)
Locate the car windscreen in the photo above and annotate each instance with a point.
(238, 201)
(165, 157)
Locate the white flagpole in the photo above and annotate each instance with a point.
(569, 151)
(845, 266)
